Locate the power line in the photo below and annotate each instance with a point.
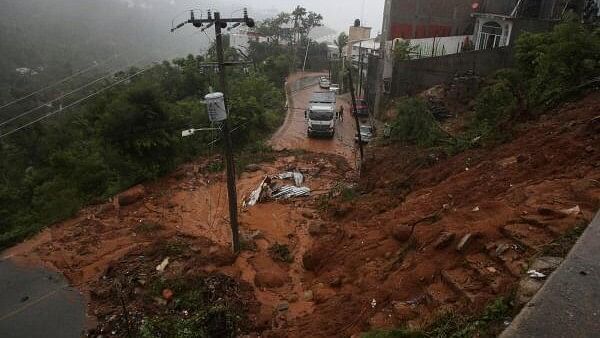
(74, 103)
(46, 104)
(81, 72)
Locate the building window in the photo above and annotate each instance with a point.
(387, 86)
(490, 35)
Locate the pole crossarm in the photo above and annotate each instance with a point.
(211, 20)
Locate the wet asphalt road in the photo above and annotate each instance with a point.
(35, 302)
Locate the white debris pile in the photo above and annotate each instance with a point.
(274, 188)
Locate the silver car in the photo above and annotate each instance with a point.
(334, 88)
(324, 83)
(366, 134)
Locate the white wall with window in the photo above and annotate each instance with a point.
(438, 46)
(492, 31)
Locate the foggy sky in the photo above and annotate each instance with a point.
(338, 14)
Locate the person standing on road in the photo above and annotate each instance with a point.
(342, 113)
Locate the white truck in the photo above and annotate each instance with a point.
(321, 114)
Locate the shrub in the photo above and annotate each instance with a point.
(213, 305)
(281, 252)
(415, 124)
(495, 103)
(554, 62)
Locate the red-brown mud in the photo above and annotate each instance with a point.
(382, 254)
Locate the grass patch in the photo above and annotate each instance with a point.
(216, 167)
(348, 194)
(247, 244)
(254, 153)
(149, 227)
(173, 248)
(281, 252)
(562, 245)
(323, 202)
(451, 325)
(201, 307)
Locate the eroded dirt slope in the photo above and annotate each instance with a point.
(418, 234)
(431, 234)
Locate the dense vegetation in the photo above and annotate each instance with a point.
(288, 44)
(549, 68)
(126, 135)
(131, 132)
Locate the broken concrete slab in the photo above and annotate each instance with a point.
(528, 287)
(546, 264)
(464, 242)
(444, 240)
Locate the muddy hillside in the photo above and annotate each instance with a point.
(327, 253)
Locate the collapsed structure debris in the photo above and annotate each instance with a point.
(269, 189)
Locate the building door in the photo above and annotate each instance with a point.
(490, 35)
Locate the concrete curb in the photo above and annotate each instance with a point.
(568, 305)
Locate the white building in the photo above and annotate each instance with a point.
(438, 46)
(492, 30)
(363, 48)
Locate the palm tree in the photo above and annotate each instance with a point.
(341, 42)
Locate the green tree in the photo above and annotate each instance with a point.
(403, 50)
(554, 63)
(341, 42)
(276, 28)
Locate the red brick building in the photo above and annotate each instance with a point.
(418, 19)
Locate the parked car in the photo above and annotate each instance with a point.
(324, 82)
(334, 88)
(366, 133)
(362, 107)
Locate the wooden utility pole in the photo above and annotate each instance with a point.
(220, 24)
(360, 69)
(355, 112)
(231, 188)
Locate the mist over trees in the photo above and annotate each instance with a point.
(58, 37)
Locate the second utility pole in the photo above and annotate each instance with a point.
(356, 119)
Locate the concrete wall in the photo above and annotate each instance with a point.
(414, 76)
